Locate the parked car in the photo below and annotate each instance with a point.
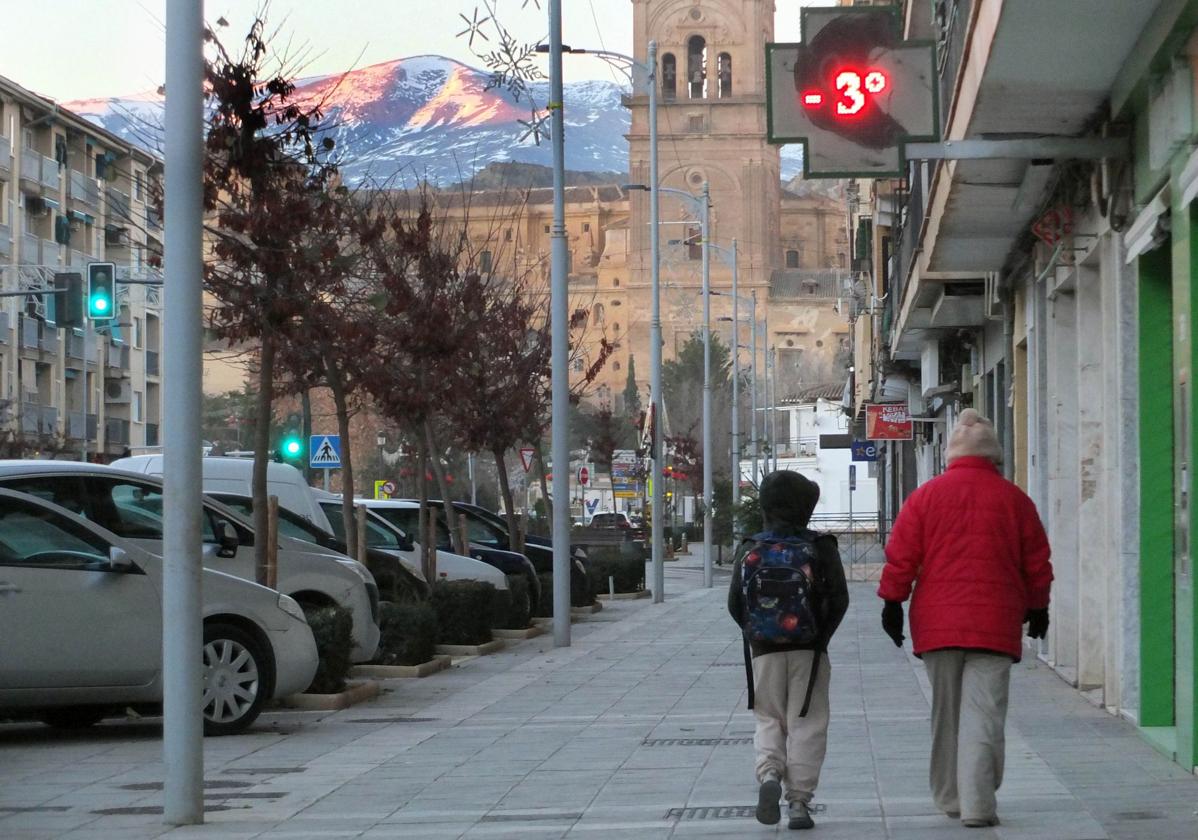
(234, 475)
(392, 575)
(608, 521)
(487, 543)
(81, 624)
(130, 506)
(450, 566)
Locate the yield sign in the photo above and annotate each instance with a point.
(526, 457)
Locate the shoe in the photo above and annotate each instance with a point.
(979, 822)
(769, 812)
(953, 815)
(800, 816)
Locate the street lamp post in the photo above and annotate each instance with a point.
(559, 318)
(707, 476)
(753, 393)
(730, 256)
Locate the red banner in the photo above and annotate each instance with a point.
(889, 421)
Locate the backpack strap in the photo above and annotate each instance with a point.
(817, 655)
(748, 669)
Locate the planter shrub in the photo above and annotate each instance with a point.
(409, 634)
(333, 629)
(464, 611)
(545, 608)
(629, 573)
(581, 594)
(513, 612)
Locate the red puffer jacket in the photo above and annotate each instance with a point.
(972, 544)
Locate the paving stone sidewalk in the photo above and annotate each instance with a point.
(637, 731)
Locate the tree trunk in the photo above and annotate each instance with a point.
(544, 486)
(451, 514)
(258, 486)
(516, 541)
(428, 544)
(340, 403)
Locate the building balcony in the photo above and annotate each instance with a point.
(152, 367)
(5, 159)
(152, 434)
(5, 327)
(29, 338)
(808, 284)
(82, 426)
(119, 209)
(39, 171)
(76, 346)
(116, 432)
(84, 190)
(38, 419)
(31, 249)
(5, 241)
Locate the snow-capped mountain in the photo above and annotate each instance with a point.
(426, 117)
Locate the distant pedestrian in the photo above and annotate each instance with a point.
(788, 594)
(972, 545)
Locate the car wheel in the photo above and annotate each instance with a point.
(73, 717)
(235, 668)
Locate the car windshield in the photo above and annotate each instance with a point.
(408, 521)
(290, 524)
(377, 534)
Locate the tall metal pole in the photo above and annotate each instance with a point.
(753, 394)
(182, 631)
(657, 496)
(560, 316)
(765, 400)
(773, 385)
(735, 383)
(707, 453)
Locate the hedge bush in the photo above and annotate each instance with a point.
(408, 634)
(513, 612)
(629, 573)
(333, 629)
(464, 611)
(581, 594)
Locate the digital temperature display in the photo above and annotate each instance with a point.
(853, 92)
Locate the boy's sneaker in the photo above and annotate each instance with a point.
(979, 822)
(800, 816)
(769, 811)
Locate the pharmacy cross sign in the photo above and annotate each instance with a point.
(852, 92)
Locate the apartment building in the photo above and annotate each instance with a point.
(1053, 291)
(70, 194)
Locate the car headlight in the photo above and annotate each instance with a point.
(289, 605)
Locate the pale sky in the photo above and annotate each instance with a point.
(75, 49)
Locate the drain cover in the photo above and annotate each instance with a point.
(33, 809)
(148, 810)
(263, 771)
(393, 720)
(712, 812)
(695, 742)
(571, 816)
(209, 784)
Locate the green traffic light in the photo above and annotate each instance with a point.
(292, 447)
(100, 304)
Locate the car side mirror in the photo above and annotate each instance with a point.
(227, 539)
(119, 560)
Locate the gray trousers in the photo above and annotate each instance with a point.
(788, 746)
(969, 715)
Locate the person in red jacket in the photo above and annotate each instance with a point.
(972, 545)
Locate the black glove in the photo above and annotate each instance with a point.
(892, 621)
(1037, 623)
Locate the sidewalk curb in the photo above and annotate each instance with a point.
(354, 693)
(389, 672)
(624, 596)
(493, 646)
(518, 635)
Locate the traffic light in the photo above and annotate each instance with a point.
(68, 293)
(101, 291)
(291, 448)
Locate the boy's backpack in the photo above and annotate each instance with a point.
(778, 580)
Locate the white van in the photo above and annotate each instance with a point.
(234, 475)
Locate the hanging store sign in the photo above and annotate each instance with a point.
(888, 421)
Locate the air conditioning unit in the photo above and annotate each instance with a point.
(118, 391)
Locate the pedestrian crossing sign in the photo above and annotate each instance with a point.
(325, 452)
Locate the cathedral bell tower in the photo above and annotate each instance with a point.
(711, 126)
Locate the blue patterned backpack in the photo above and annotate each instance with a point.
(778, 579)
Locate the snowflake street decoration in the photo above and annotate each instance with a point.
(536, 127)
(512, 63)
(474, 27)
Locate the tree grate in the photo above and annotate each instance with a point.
(695, 742)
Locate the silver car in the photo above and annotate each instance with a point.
(130, 506)
(81, 627)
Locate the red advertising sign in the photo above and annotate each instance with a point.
(888, 421)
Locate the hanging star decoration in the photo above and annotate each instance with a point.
(536, 127)
(474, 28)
(536, 3)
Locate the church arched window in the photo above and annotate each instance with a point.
(724, 74)
(792, 259)
(696, 66)
(598, 316)
(669, 76)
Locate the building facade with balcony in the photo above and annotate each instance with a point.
(71, 194)
(1053, 292)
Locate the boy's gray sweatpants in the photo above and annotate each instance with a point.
(789, 746)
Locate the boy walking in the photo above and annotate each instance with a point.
(788, 595)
